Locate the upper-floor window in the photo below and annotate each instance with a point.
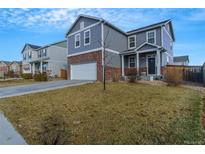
(29, 55)
(82, 24)
(39, 53)
(45, 52)
(132, 42)
(131, 61)
(77, 40)
(171, 45)
(87, 37)
(151, 37)
(24, 56)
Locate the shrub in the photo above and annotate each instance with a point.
(173, 75)
(27, 76)
(54, 131)
(41, 77)
(115, 77)
(132, 75)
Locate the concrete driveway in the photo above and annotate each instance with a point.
(38, 87)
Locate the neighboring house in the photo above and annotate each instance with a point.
(147, 49)
(49, 58)
(181, 60)
(4, 67)
(16, 67)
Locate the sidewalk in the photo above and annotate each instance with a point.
(8, 134)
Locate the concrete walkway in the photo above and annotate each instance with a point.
(38, 87)
(8, 134)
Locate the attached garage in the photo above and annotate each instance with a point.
(86, 71)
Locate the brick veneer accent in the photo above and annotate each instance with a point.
(91, 57)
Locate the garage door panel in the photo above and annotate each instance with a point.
(86, 71)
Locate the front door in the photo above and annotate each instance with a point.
(151, 65)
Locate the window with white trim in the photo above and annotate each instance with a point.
(77, 40)
(29, 55)
(132, 42)
(82, 25)
(24, 56)
(132, 62)
(87, 37)
(151, 37)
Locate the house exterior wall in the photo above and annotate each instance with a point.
(16, 68)
(93, 57)
(87, 22)
(114, 39)
(57, 59)
(185, 63)
(141, 37)
(95, 43)
(167, 43)
(26, 66)
(4, 68)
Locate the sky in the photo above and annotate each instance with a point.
(45, 26)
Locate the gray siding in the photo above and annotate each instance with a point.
(147, 47)
(141, 37)
(166, 45)
(114, 40)
(87, 22)
(112, 59)
(95, 40)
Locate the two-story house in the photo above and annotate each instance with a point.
(50, 58)
(147, 49)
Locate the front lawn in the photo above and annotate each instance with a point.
(124, 114)
(8, 83)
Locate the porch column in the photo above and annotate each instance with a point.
(158, 63)
(137, 66)
(41, 67)
(33, 68)
(123, 65)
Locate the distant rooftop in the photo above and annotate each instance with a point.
(181, 58)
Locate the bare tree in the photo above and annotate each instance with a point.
(105, 55)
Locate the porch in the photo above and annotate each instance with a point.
(146, 63)
(39, 67)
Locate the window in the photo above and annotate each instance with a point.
(45, 52)
(87, 37)
(24, 56)
(29, 55)
(151, 37)
(45, 67)
(82, 25)
(131, 61)
(77, 40)
(39, 53)
(171, 45)
(132, 42)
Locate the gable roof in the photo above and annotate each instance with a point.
(6, 62)
(162, 23)
(95, 18)
(30, 45)
(18, 62)
(62, 44)
(181, 59)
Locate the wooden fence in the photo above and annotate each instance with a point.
(63, 74)
(191, 73)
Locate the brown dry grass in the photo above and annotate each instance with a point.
(15, 82)
(124, 114)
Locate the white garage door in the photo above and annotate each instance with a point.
(84, 71)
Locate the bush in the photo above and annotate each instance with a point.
(132, 75)
(27, 76)
(41, 77)
(54, 131)
(115, 77)
(173, 75)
